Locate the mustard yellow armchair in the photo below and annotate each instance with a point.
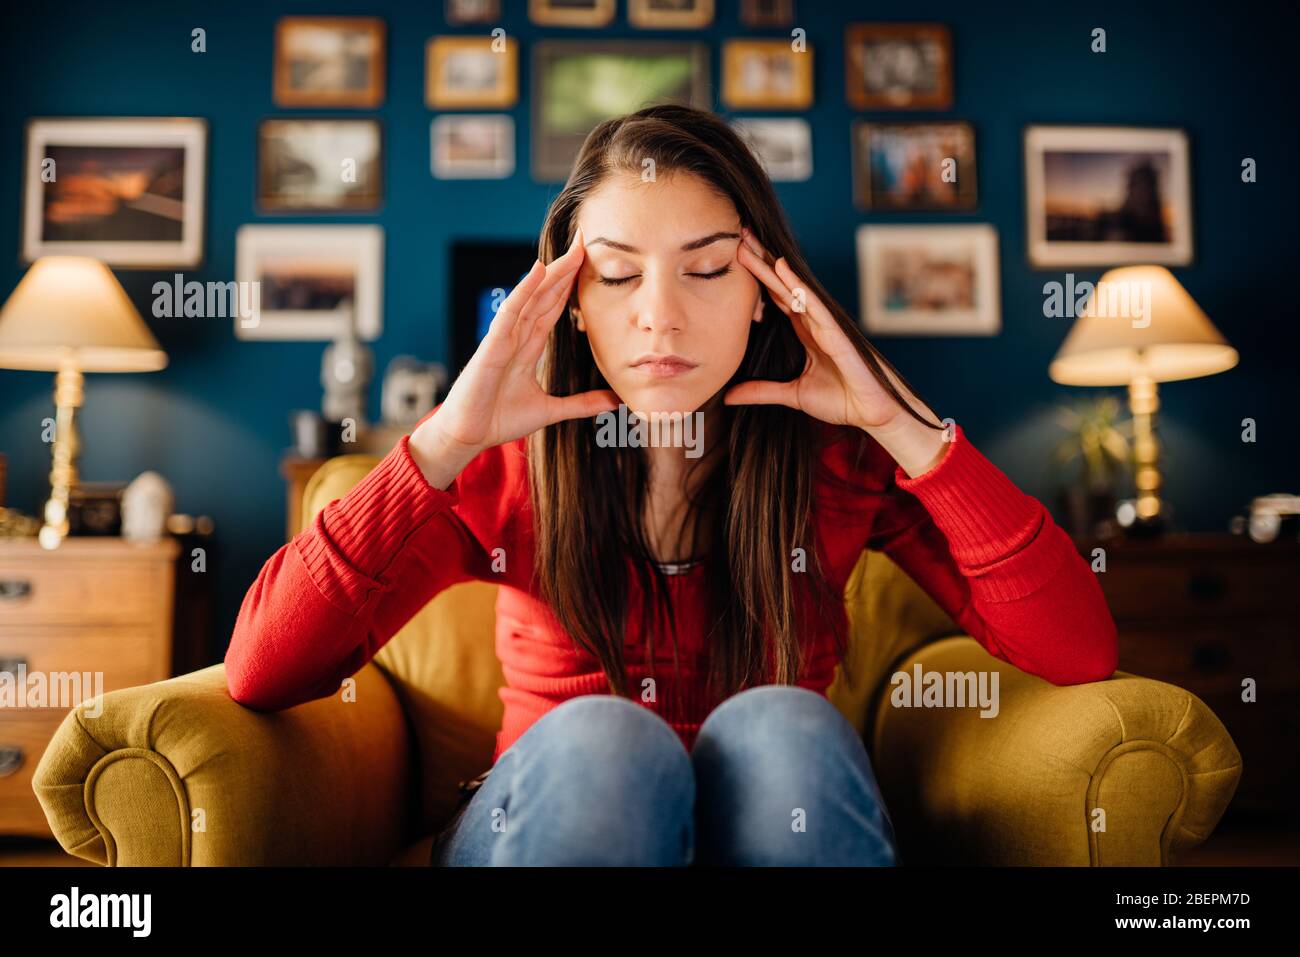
(1127, 771)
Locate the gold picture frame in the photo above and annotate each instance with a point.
(931, 44)
(546, 13)
(312, 53)
(645, 15)
(456, 79)
(766, 75)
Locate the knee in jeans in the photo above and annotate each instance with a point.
(617, 731)
(746, 711)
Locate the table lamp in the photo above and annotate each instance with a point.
(1140, 327)
(70, 315)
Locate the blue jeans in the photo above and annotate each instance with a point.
(777, 776)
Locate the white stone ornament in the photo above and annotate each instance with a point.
(146, 503)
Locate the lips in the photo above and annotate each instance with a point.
(663, 366)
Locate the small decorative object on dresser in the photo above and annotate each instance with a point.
(146, 505)
(95, 611)
(1217, 615)
(411, 388)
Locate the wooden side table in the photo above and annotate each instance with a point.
(93, 605)
(1206, 612)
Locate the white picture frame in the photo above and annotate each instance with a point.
(444, 161)
(782, 144)
(143, 190)
(1074, 178)
(899, 267)
(311, 260)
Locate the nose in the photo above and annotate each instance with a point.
(658, 308)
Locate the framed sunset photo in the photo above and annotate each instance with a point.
(127, 191)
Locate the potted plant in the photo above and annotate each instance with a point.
(1091, 461)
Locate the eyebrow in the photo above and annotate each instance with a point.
(686, 247)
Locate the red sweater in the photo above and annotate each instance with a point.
(328, 600)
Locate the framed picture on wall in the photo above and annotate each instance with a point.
(1106, 195)
(929, 280)
(127, 191)
(571, 13)
(898, 66)
(472, 146)
(766, 75)
(783, 145)
(313, 282)
(471, 73)
(329, 62)
(767, 13)
(472, 11)
(578, 84)
(914, 166)
(669, 14)
(319, 165)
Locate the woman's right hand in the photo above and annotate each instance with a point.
(497, 398)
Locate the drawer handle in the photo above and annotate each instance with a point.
(13, 665)
(11, 759)
(12, 589)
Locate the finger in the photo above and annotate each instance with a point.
(531, 350)
(583, 405)
(557, 274)
(508, 311)
(807, 298)
(763, 272)
(763, 392)
(751, 240)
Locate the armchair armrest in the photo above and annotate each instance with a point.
(1023, 787)
(179, 773)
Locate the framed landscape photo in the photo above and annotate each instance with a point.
(929, 280)
(580, 83)
(128, 191)
(314, 282)
(766, 75)
(472, 146)
(319, 165)
(669, 14)
(783, 145)
(471, 73)
(329, 62)
(1107, 195)
(914, 166)
(571, 13)
(898, 66)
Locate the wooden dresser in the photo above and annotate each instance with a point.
(1206, 612)
(96, 605)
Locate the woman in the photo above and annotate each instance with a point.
(673, 616)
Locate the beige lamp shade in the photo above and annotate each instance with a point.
(70, 311)
(1140, 322)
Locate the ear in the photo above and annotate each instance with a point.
(576, 313)
(758, 307)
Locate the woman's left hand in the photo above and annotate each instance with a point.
(836, 386)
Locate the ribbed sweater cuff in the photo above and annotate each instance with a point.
(982, 513)
(356, 537)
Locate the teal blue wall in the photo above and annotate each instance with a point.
(215, 421)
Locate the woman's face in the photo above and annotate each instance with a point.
(660, 278)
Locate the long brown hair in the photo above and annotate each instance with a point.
(588, 501)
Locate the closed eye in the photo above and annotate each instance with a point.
(698, 275)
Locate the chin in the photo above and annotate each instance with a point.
(664, 398)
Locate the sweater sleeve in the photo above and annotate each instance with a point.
(331, 597)
(993, 558)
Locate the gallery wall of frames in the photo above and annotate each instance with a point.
(382, 167)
